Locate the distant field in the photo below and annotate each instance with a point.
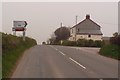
(12, 48)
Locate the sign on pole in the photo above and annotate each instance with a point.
(19, 26)
(19, 23)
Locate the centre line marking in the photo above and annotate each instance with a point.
(77, 63)
(62, 53)
(56, 49)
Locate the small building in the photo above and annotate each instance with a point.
(87, 29)
(106, 40)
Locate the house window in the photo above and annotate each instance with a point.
(73, 38)
(71, 30)
(89, 35)
(78, 30)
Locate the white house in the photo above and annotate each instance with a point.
(87, 29)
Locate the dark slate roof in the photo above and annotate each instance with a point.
(105, 38)
(87, 26)
(93, 32)
(85, 22)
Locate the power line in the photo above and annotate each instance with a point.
(108, 23)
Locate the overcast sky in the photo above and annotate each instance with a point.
(44, 18)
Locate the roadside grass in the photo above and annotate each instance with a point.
(13, 48)
(9, 60)
(0, 55)
(111, 50)
(0, 65)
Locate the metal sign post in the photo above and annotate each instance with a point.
(23, 35)
(19, 26)
(14, 33)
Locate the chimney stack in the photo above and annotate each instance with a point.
(87, 16)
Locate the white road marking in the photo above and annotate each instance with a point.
(69, 58)
(56, 49)
(51, 46)
(77, 63)
(62, 53)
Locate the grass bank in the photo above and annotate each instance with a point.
(111, 50)
(12, 48)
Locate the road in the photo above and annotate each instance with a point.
(44, 61)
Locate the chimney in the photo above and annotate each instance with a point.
(87, 16)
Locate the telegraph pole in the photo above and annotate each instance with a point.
(61, 31)
(76, 19)
(61, 24)
(76, 30)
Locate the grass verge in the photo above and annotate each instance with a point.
(111, 50)
(12, 49)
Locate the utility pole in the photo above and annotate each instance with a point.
(61, 24)
(61, 32)
(76, 19)
(76, 30)
(60, 27)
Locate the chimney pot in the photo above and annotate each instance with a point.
(87, 16)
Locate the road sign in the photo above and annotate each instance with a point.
(19, 23)
(19, 26)
(18, 29)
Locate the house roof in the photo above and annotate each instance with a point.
(92, 32)
(105, 38)
(85, 21)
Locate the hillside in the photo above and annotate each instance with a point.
(12, 48)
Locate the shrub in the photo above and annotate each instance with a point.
(69, 43)
(89, 43)
(56, 42)
(98, 43)
(82, 42)
(115, 40)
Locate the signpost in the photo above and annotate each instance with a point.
(19, 26)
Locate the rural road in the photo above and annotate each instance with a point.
(48, 61)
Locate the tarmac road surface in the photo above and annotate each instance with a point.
(48, 61)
